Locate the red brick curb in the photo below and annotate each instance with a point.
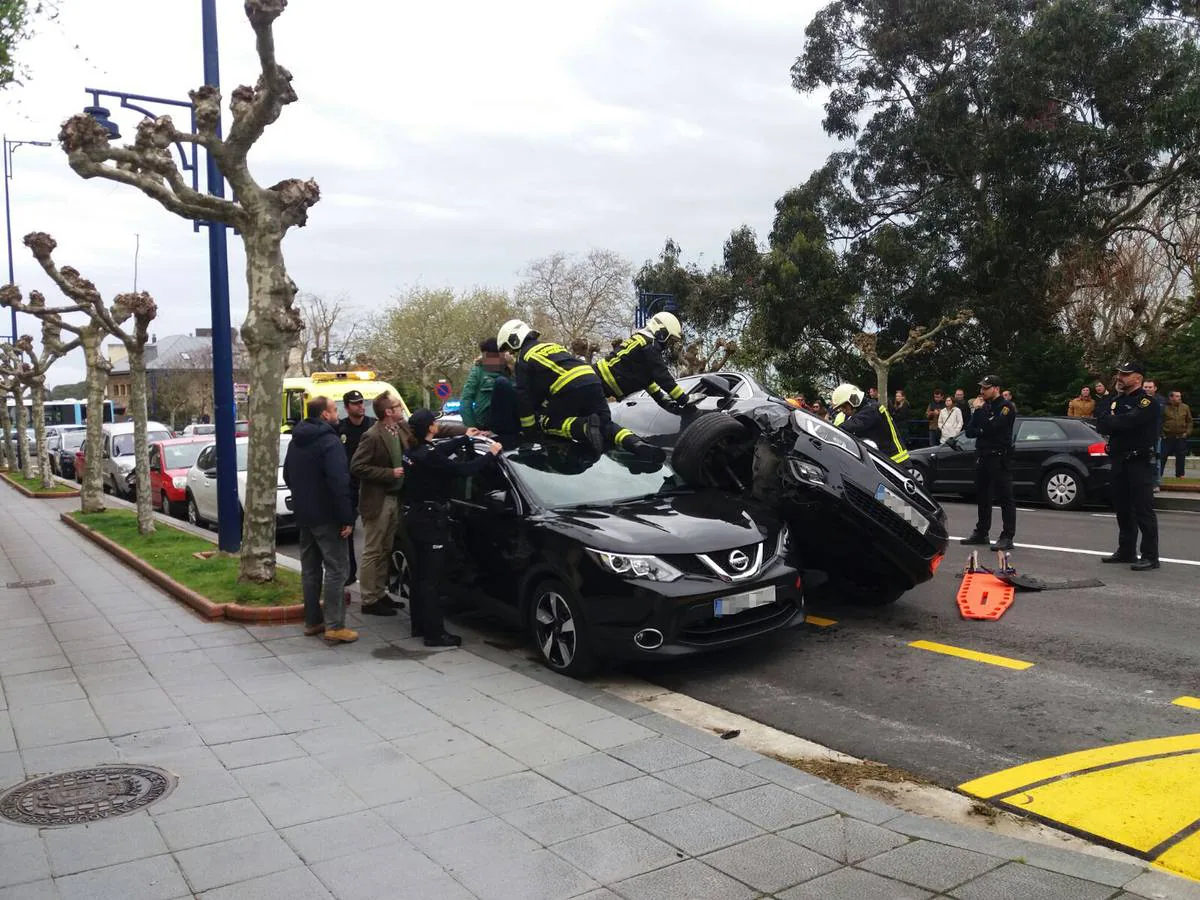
(39, 495)
(1180, 488)
(260, 615)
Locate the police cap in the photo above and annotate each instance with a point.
(1132, 367)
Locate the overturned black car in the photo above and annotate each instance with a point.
(853, 513)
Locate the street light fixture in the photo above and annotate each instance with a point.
(9, 147)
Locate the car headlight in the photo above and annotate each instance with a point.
(648, 567)
(825, 432)
(180, 482)
(784, 544)
(802, 470)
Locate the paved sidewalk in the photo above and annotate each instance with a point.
(382, 770)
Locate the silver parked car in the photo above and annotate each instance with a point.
(116, 456)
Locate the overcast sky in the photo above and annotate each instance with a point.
(453, 142)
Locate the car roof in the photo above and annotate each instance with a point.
(127, 427)
(186, 439)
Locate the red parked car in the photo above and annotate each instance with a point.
(79, 465)
(169, 464)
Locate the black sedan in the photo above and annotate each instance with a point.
(61, 443)
(1057, 460)
(611, 558)
(853, 514)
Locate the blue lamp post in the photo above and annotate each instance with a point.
(229, 536)
(9, 147)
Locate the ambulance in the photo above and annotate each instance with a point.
(332, 385)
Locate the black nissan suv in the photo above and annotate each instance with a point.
(853, 514)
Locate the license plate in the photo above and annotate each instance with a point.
(728, 606)
(902, 508)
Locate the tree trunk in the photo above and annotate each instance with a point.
(881, 381)
(141, 451)
(26, 464)
(6, 445)
(91, 497)
(38, 392)
(269, 331)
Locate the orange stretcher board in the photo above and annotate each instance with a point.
(984, 596)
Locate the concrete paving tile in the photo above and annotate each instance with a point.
(54, 723)
(348, 683)
(602, 894)
(336, 738)
(310, 716)
(456, 703)
(159, 741)
(542, 751)
(266, 684)
(294, 884)
(854, 884)
(12, 769)
(852, 804)
(571, 711)
(691, 879)
(617, 853)
(187, 828)
(397, 873)
(843, 839)
(381, 774)
(44, 694)
(531, 698)
(256, 751)
(101, 654)
(499, 685)
(340, 836)
(605, 734)
(246, 671)
(296, 791)
(226, 653)
(432, 812)
(619, 706)
(656, 754)
(83, 847)
(60, 757)
(137, 711)
(1028, 883)
(562, 819)
(223, 634)
(438, 744)
(585, 773)
(230, 862)
(512, 792)
(506, 726)
(710, 778)
(8, 738)
(490, 839)
(769, 863)
(640, 797)
(34, 890)
(539, 875)
(704, 741)
(934, 866)
(216, 707)
(466, 768)
(156, 878)
(700, 828)
(23, 861)
(199, 784)
(242, 728)
(772, 807)
(119, 682)
(78, 629)
(1160, 886)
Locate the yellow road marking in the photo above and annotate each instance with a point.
(1183, 857)
(1189, 702)
(823, 622)
(975, 655)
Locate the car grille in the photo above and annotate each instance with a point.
(716, 630)
(890, 521)
(692, 564)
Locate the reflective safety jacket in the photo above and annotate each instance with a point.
(873, 422)
(638, 366)
(543, 370)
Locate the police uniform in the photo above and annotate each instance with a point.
(1130, 421)
(873, 422)
(992, 427)
(638, 365)
(351, 435)
(429, 473)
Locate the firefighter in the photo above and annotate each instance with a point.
(867, 419)
(638, 365)
(562, 395)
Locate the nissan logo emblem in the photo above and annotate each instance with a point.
(739, 561)
(910, 485)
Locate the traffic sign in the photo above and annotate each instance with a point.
(443, 390)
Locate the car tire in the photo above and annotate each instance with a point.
(559, 631)
(1062, 488)
(920, 475)
(193, 513)
(706, 453)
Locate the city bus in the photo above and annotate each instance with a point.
(332, 385)
(63, 412)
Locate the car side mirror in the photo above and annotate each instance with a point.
(210, 473)
(715, 387)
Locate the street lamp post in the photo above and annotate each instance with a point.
(229, 535)
(9, 147)
(649, 303)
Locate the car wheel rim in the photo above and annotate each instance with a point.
(1061, 489)
(193, 518)
(556, 635)
(918, 476)
(401, 586)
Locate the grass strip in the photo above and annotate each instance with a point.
(35, 484)
(171, 550)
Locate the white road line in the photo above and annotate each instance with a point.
(1166, 559)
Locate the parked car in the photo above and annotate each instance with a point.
(198, 429)
(116, 451)
(609, 558)
(201, 485)
(1057, 460)
(62, 441)
(79, 464)
(853, 513)
(169, 464)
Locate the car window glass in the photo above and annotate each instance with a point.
(154, 458)
(205, 460)
(563, 474)
(73, 440)
(1032, 430)
(181, 456)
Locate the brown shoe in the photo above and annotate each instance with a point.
(340, 636)
(310, 630)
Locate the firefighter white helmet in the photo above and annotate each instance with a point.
(512, 334)
(664, 325)
(846, 393)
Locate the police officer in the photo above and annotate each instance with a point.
(638, 365)
(567, 393)
(991, 424)
(867, 420)
(1131, 423)
(351, 429)
(429, 473)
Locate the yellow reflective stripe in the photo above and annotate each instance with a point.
(900, 457)
(563, 430)
(621, 435)
(567, 377)
(901, 454)
(653, 388)
(634, 343)
(528, 421)
(541, 353)
(676, 392)
(602, 368)
(839, 419)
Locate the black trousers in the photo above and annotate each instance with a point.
(1177, 447)
(1133, 496)
(429, 534)
(994, 484)
(567, 412)
(352, 573)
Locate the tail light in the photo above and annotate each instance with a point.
(1098, 449)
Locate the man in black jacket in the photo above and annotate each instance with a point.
(316, 471)
(991, 424)
(352, 428)
(638, 365)
(1131, 423)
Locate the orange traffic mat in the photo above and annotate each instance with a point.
(983, 596)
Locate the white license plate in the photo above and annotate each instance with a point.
(902, 508)
(728, 606)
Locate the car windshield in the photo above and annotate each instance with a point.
(123, 443)
(181, 456)
(73, 440)
(566, 475)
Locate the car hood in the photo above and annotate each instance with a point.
(175, 473)
(692, 522)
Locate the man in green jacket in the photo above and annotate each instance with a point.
(477, 393)
(1176, 429)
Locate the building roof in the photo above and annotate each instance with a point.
(177, 352)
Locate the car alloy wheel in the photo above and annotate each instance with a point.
(918, 475)
(1062, 489)
(164, 503)
(559, 631)
(193, 512)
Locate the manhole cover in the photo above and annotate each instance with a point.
(85, 795)
(45, 582)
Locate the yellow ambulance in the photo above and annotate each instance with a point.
(332, 385)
